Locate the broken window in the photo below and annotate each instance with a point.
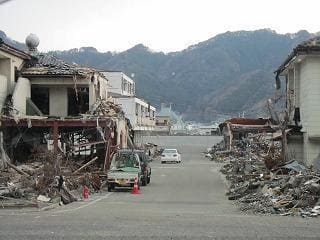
(16, 74)
(78, 102)
(40, 97)
(137, 109)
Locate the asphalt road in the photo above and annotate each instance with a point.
(183, 201)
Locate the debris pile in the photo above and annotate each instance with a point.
(47, 178)
(260, 182)
(106, 108)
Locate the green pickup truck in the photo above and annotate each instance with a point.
(124, 169)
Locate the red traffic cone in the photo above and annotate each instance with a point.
(85, 193)
(135, 189)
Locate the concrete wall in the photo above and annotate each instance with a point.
(309, 99)
(297, 75)
(5, 70)
(311, 150)
(103, 88)
(295, 148)
(3, 89)
(122, 130)
(21, 92)
(8, 63)
(310, 95)
(58, 101)
(114, 79)
(128, 106)
(92, 95)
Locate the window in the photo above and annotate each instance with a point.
(137, 109)
(40, 97)
(78, 104)
(122, 84)
(16, 74)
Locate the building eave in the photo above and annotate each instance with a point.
(14, 51)
(299, 50)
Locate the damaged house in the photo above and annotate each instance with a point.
(50, 104)
(235, 130)
(300, 73)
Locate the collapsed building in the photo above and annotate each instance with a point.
(235, 130)
(46, 96)
(53, 110)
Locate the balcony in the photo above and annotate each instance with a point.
(146, 121)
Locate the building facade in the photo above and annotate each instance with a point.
(11, 62)
(140, 113)
(163, 125)
(301, 75)
(120, 83)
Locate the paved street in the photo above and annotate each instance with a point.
(183, 201)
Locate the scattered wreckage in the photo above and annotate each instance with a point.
(47, 178)
(50, 160)
(261, 182)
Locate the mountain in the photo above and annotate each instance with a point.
(228, 74)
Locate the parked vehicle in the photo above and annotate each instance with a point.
(145, 167)
(170, 155)
(124, 169)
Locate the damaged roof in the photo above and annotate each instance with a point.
(14, 51)
(249, 125)
(307, 47)
(46, 64)
(249, 121)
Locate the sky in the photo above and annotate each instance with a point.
(161, 25)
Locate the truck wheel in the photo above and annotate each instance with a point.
(144, 181)
(110, 187)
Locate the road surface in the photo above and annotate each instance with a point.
(183, 201)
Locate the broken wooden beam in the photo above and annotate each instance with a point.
(17, 169)
(86, 165)
(88, 144)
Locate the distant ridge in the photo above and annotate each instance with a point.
(230, 73)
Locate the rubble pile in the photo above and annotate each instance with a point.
(106, 108)
(47, 178)
(260, 182)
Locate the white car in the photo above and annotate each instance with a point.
(170, 155)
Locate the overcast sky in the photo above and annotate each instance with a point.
(162, 25)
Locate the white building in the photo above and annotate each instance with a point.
(140, 113)
(208, 130)
(120, 83)
(301, 71)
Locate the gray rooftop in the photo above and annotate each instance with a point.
(46, 64)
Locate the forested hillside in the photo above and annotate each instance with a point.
(228, 74)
